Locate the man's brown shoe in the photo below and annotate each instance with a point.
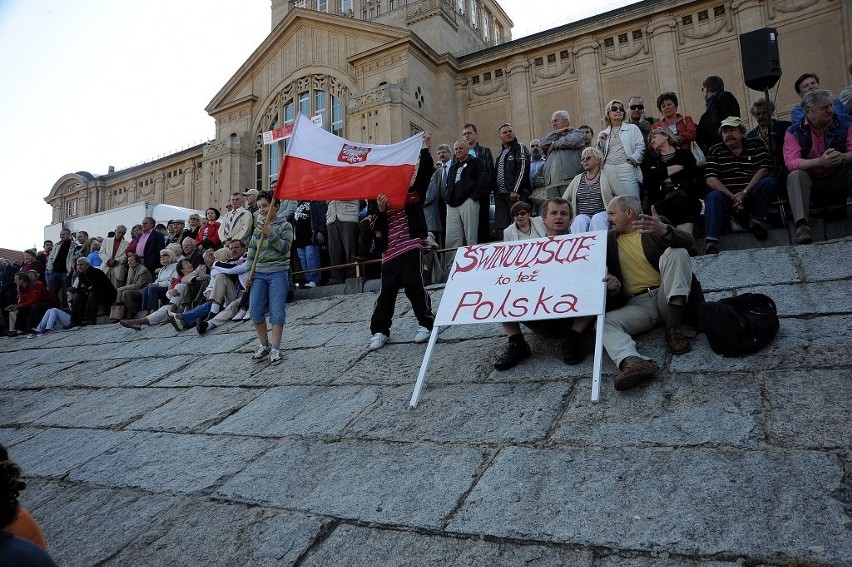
(634, 373)
(135, 324)
(677, 344)
(803, 234)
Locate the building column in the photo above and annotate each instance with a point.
(750, 14)
(663, 38)
(517, 78)
(590, 104)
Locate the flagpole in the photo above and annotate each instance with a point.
(278, 183)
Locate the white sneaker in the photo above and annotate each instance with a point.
(239, 316)
(311, 284)
(246, 317)
(260, 353)
(422, 335)
(274, 356)
(378, 341)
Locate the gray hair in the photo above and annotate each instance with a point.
(561, 114)
(626, 203)
(445, 147)
(121, 227)
(83, 260)
(812, 98)
(761, 103)
(595, 153)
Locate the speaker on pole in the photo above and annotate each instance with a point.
(761, 62)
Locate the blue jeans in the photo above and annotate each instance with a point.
(757, 202)
(309, 256)
(57, 283)
(194, 315)
(152, 295)
(269, 291)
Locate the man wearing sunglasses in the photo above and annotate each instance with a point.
(636, 115)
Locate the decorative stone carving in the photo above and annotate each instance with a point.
(788, 6)
(684, 33)
(496, 85)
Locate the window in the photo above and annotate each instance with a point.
(322, 5)
(485, 32)
(72, 208)
(474, 13)
(300, 3)
(346, 6)
(460, 6)
(310, 103)
(498, 35)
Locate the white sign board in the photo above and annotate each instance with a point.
(525, 280)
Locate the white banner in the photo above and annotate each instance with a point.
(525, 280)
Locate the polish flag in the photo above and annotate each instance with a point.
(320, 166)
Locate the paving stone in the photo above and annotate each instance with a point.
(823, 261)
(355, 307)
(669, 411)
(665, 560)
(213, 534)
(21, 407)
(229, 369)
(111, 407)
(302, 335)
(195, 409)
(309, 310)
(809, 409)
(805, 298)
(54, 452)
(693, 502)
(366, 547)
(224, 342)
(466, 414)
(85, 525)
(752, 267)
(821, 341)
(299, 410)
(10, 436)
(410, 485)
(356, 335)
(33, 374)
(168, 462)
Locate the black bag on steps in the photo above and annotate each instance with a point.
(739, 325)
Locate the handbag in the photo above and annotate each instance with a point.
(700, 159)
(116, 312)
(539, 196)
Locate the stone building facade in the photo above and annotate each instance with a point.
(378, 70)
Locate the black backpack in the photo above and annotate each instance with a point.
(739, 325)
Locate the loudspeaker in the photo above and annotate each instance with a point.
(761, 62)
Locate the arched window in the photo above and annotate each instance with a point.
(317, 97)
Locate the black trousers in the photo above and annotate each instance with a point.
(403, 272)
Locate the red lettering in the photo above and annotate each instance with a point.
(462, 304)
(567, 306)
(468, 254)
(542, 303)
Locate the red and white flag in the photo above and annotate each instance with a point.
(320, 166)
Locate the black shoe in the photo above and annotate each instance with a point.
(201, 326)
(712, 248)
(759, 231)
(572, 348)
(516, 351)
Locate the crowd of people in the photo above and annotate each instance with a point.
(672, 175)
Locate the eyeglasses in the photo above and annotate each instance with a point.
(637, 107)
(616, 109)
(520, 214)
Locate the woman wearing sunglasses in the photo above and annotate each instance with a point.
(623, 147)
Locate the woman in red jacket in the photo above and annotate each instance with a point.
(208, 234)
(34, 299)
